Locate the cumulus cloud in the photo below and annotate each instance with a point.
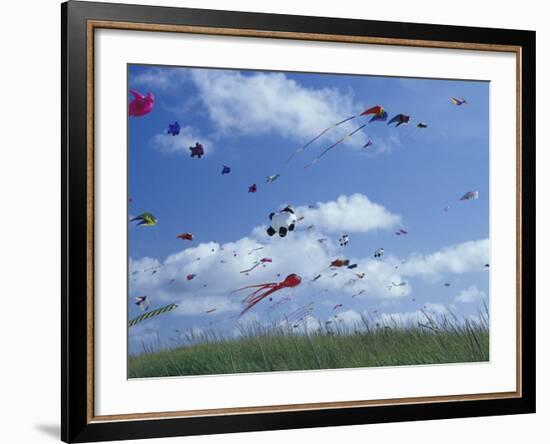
(353, 214)
(263, 103)
(460, 258)
(161, 78)
(179, 144)
(470, 294)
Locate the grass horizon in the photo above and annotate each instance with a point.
(281, 347)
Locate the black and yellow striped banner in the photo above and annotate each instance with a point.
(151, 314)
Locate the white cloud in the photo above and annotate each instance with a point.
(162, 78)
(263, 103)
(187, 137)
(460, 258)
(352, 214)
(470, 294)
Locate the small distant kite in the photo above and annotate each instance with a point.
(337, 306)
(378, 253)
(458, 102)
(151, 314)
(399, 284)
(272, 178)
(399, 119)
(334, 275)
(210, 311)
(366, 145)
(310, 227)
(264, 290)
(401, 232)
(174, 128)
(447, 208)
(197, 150)
(145, 219)
(226, 170)
(352, 266)
(143, 303)
(141, 105)
(344, 240)
(487, 265)
(447, 284)
(470, 195)
(185, 236)
(252, 188)
(190, 277)
(360, 275)
(422, 125)
(339, 263)
(316, 277)
(257, 263)
(322, 240)
(358, 293)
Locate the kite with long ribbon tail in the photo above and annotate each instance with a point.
(376, 110)
(151, 314)
(264, 290)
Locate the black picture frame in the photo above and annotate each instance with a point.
(76, 423)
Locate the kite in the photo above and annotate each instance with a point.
(257, 263)
(337, 306)
(334, 275)
(322, 239)
(352, 266)
(376, 110)
(487, 265)
(458, 102)
(190, 277)
(379, 253)
(145, 219)
(422, 125)
(366, 145)
(210, 311)
(400, 284)
(316, 277)
(360, 275)
(197, 150)
(339, 263)
(185, 236)
(272, 178)
(447, 208)
(470, 195)
(358, 294)
(255, 249)
(401, 231)
(282, 222)
(151, 314)
(399, 119)
(141, 105)
(382, 117)
(264, 290)
(252, 188)
(447, 284)
(174, 128)
(142, 303)
(226, 170)
(309, 227)
(344, 240)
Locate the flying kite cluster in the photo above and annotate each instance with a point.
(281, 222)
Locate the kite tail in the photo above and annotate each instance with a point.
(258, 298)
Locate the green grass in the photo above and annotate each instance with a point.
(276, 348)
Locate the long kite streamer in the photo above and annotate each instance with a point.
(151, 314)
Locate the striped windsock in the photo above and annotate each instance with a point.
(151, 314)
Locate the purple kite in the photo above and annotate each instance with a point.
(197, 150)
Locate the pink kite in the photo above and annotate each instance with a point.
(264, 290)
(190, 276)
(141, 105)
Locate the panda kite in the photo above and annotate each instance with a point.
(282, 222)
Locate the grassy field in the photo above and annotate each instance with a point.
(276, 348)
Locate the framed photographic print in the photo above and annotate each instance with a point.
(276, 221)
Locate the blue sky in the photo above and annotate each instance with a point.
(252, 121)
